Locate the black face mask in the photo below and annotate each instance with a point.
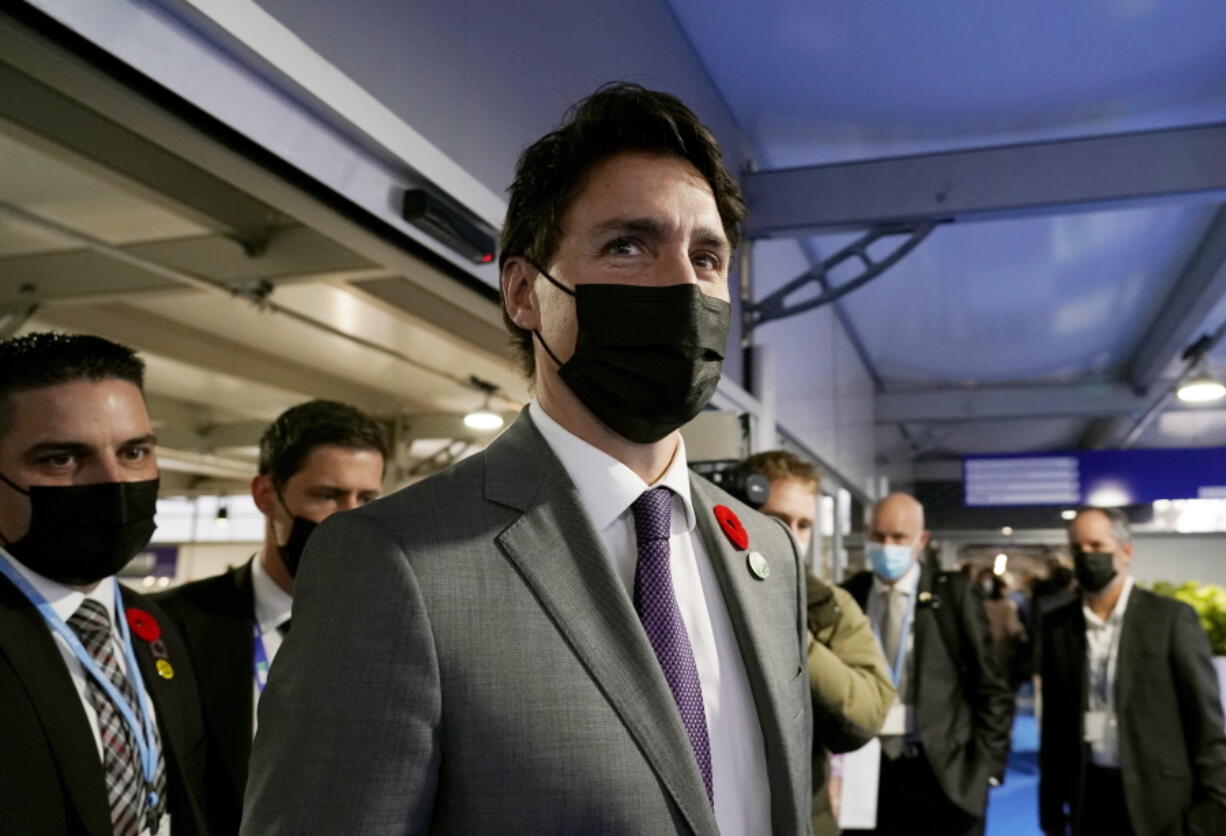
(1094, 570)
(300, 531)
(647, 359)
(80, 534)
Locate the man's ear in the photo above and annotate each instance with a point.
(518, 280)
(1126, 551)
(923, 540)
(264, 493)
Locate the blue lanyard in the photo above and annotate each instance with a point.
(142, 728)
(903, 635)
(261, 659)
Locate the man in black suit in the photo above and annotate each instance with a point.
(100, 724)
(315, 459)
(945, 738)
(1132, 738)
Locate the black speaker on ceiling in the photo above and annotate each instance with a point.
(446, 221)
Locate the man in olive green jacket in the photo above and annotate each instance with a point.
(850, 686)
(848, 678)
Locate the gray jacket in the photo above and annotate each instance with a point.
(464, 660)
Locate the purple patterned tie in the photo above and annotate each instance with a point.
(657, 608)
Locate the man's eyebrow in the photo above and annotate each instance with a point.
(710, 238)
(140, 440)
(705, 236)
(48, 447)
(645, 226)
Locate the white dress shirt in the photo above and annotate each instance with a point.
(1102, 650)
(901, 717)
(272, 609)
(607, 489)
(65, 601)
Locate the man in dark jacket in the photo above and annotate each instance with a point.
(1132, 738)
(945, 739)
(317, 458)
(100, 725)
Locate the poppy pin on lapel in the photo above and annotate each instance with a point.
(735, 531)
(145, 627)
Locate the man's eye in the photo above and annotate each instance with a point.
(57, 460)
(136, 454)
(707, 261)
(622, 246)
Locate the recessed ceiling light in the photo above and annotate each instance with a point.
(483, 419)
(1201, 389)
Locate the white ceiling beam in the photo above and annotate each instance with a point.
(1197, 291)
(73, 132)
(80, 275)
(1007, 181)
(1200, 287)
(148, 332)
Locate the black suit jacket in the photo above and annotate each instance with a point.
(963, 712)
(215, 616)
(1171, 739)
(51, 778)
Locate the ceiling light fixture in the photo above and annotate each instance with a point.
(1201, 389)
(484, 419)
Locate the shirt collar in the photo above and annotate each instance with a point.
(607, 488)
(1117, 614)
(907, 583)
(65, 600)
(272, 603)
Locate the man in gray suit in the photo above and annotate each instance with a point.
(568, 633)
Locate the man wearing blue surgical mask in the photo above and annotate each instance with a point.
(945, 738)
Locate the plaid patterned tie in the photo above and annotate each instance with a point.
(656, 604)
(125, 785)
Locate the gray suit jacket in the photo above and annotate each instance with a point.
(464, 660)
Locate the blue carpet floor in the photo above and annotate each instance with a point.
(1013, 808)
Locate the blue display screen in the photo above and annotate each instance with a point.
(1095, 477)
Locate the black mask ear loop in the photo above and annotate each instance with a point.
(560, 287)
(284, 507)
(13, 485)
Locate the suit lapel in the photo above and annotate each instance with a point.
(562, 559)
(222, 657)
(924, 625)
(35, 657)
(1132, 638)
(763, 643)
(162, 692)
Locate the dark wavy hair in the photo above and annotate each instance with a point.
(618, 118)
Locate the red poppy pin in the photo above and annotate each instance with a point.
(731, 524)
(143, 625)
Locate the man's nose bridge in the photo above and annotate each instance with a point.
(108, 467)
(678, 268)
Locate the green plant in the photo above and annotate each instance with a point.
(1209, 601)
